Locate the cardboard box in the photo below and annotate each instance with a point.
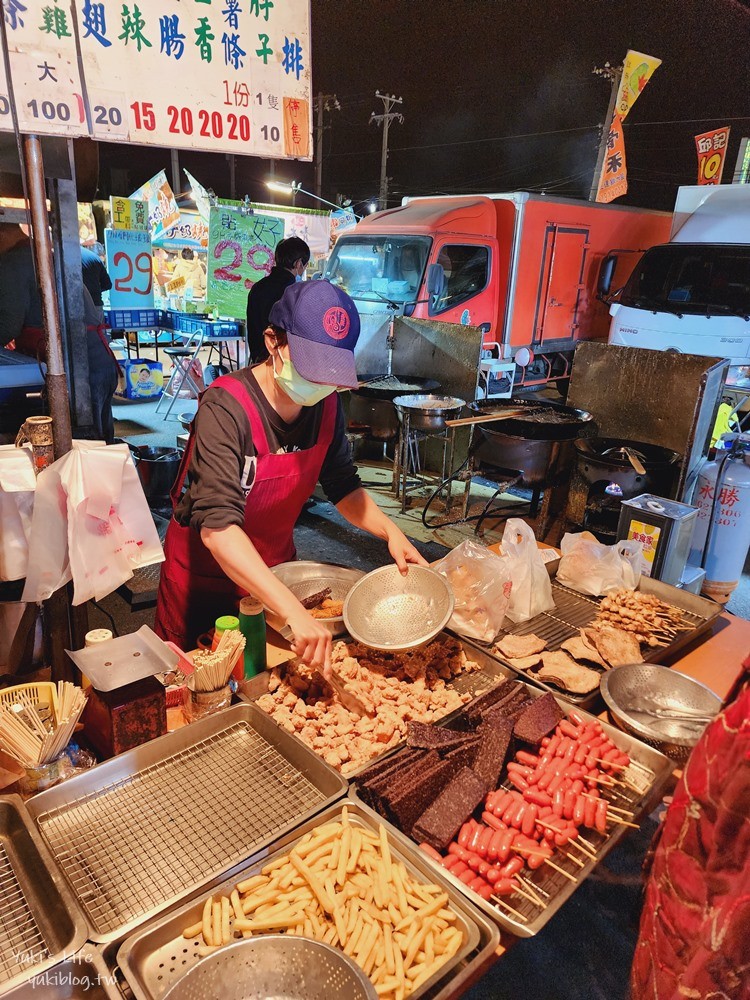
(141, 379)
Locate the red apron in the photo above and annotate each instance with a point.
(193, 589)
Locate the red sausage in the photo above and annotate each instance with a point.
(589, 816)
(477, 883)
(523, 769)
(460, 868)
(432, 853)
(527, 758)
(485, 892)
(503, 800)
(467, 876)
(512, 867)
(600, 816)
(537, 797)
(494, 844)
(558, 801)
(509, 811)
(579, 812)
(518, 781)
(494, 875)
(569, 803)
(505, 887)
(517, 818)
(581, 753)
(465, 834)
(484, 841)
(528, 822)
(505, 845)
(568, 729)
(452, 861)
(554, 786)
(576, 718)
(474, 839)
(493, 821)
(552, 745)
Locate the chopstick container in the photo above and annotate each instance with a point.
(37, 779)
(200, 704)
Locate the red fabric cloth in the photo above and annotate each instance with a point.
(694, 939)
(193, 589)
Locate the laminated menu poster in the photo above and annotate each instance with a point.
(241, 249)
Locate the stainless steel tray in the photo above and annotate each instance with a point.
(84, 976)
(574, 611)
(649, 771)
(156, 956)
(39, 920)
(474, 683)
(148, 828)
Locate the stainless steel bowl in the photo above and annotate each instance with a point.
(275, 965)
(635, 686)
(393, 613)
(305, 578)
(428, 412)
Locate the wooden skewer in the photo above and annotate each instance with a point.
(527, 895)
(576, 842)
(622, 822)
(610, 806)
(562, 871)
(535, 890)
(501, 902)
(574, 859)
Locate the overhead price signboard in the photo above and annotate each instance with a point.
(229, 76)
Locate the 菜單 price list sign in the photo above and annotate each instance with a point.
(228, 76)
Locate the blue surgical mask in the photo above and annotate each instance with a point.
(297, 388)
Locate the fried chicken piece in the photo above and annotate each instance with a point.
(561, 669)
(516, 646)
(579, 649)
(617, 646)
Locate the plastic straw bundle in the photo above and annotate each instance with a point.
(26, 737)
(213, 669)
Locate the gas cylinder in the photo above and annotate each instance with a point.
(730, 534)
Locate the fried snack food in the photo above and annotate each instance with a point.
(328, 609)
(561, 669)
(616, 646)
(342, 885)
(525, 662)
(516, 646)
(396, 688)
(579, 649)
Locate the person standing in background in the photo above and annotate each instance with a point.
(95, 276)
(290, 260)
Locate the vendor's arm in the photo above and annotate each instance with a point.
(215, 506)
(343, 487)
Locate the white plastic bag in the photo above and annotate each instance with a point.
(17, 486)
(91, 524)
(592, 568)
(481, 585)
(532, 590)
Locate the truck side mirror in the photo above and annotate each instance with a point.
(435, 280)
(606, 274)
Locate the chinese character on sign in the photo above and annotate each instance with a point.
(94, 22)
(132, 27)
(13, 10)
(273, 102)
(704, 145)
(292, 61)
(265, 49)
(204, 37)
(707, 492)
(231, 14)
(55, 22)
(46, 72)
(729, 496)
(233, 53)
(265, 229)
(614, 163)
(261, 8)
(172, 39)
(612, 136)
(241, 95)
(228, 221)
(720, 140)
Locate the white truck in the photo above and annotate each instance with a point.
(691, 295)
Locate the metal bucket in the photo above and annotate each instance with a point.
(157, 469)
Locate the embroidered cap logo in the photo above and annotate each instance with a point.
(336, 322)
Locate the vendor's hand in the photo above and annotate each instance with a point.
(403, 552)
(312, 640)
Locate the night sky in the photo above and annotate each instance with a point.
(481, 79)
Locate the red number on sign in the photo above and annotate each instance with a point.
(232, 126)
(144, 116)
(172, 112)
(142, 265)
(185, 116)
(226, 271)
(204, 120)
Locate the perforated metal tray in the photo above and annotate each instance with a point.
(649, 772)
(154, 958)
(148, 828)
(39, 920)
(574, 611)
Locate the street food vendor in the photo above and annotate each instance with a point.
(261, 440)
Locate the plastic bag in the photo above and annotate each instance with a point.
(17, 486)
(592, 568)
(532, 590)
(481, 585)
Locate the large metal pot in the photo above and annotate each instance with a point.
(547, 421)
(428, 412)
(371, 405)
(157, 469)
(542, 463)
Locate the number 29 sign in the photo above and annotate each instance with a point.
(130, 268)
(240, 252)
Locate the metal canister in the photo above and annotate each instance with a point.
(724, 487)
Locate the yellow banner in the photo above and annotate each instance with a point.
(636, 72)
(613, 181)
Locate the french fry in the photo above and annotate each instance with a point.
(315, 884)
(343, 861)
(216, 923)
(208, 934)
(252, 883)
(385, 852)
(226, 934)
(428, 910)
(279, 921)
(194, 930)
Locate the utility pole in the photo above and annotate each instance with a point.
(613, 74)
(385, 120)
(325, 102)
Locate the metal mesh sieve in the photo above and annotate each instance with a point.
(390, 612)
(276, 965)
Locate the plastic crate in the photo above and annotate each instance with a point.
(41, 693)
(192, 324)
(133, 319)
(225, 328)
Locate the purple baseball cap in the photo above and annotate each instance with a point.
(322, 328)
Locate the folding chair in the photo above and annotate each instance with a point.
(182, 362)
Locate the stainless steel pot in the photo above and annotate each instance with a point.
(428, 412)
(157, 469)
(542, 463)
(374, 416)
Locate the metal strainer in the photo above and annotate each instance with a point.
(275, 967)
(393, 613)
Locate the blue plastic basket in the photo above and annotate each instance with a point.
(133, 319)
(225, 328)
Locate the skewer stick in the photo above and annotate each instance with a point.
(535, 890)
(501, 902)
(532, 899)
(584, 850)
(574, 859)
(622, 822)
(562, 871)
(610, 806)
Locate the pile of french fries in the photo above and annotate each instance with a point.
(340, 884)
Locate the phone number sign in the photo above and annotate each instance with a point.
(240, 252)
(230, 76)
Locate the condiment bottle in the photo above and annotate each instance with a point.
(253, 627)
(94, 638)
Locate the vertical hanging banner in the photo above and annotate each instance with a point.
(711, 148)
(613, 182)
(637, 70)
(162, 205)
(130, 267)
(47, 86)
(240, 252)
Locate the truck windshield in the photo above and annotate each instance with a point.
(379, 268)
(693, 279)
